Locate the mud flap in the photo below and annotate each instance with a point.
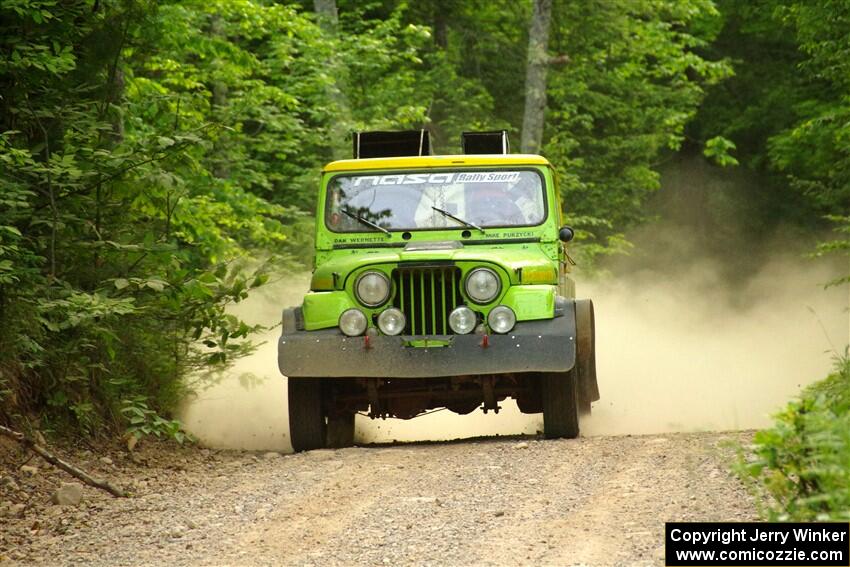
(586, 355)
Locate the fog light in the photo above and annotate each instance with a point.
(352, 322)
(391, 321)
(501, 319)
(462, 320)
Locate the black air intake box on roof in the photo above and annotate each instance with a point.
(485, 142)
(391, 144)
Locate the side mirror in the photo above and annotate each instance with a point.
(566, 234)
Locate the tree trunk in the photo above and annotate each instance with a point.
(338, 129)
(535, 77)
(328, 14)
(219, 108)
(441, 26)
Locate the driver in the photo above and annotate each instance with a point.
(492, 204)
(526, 194)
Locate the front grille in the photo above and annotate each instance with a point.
(426, 295)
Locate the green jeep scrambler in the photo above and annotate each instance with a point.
(439, 282)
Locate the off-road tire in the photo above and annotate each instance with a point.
(307, 427)
(340, 431)
(560, 405)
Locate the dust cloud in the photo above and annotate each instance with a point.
(688, 352)
(682, 349)
(246, 407)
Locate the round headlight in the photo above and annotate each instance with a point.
(372, 289)
(391, 321)
(462, 320)
(501, 319)
(352, 322)
(482, 285)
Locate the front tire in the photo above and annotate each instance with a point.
(340, 432)
(307, 427)
(561, 405)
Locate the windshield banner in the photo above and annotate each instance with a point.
(439, 178)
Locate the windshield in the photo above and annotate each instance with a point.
(435, 200)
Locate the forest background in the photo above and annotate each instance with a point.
(160, 159)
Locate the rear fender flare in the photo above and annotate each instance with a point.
(586, 349)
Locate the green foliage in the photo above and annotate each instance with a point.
(786, 108)
(815, 150)
(122, 242)
(591, 248)
(144, 421)
(804, 459)
(717, 149)
(838, 245)
(633, 80)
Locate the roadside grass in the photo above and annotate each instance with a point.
(802, 463)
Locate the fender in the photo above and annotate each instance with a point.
(586, 355)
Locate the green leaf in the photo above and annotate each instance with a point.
(717, 149)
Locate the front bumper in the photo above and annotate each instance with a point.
(533, 346)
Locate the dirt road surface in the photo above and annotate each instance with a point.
(516, 501)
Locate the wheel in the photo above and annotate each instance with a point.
(560, 405)
(306, 419)
(340, 432)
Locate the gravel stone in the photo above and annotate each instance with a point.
(29, 470)
(69, 494)
(17, 510)
(9, 483)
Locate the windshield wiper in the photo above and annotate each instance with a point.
(364, 221)
(458, 219)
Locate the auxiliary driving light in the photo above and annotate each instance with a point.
(462, 320)
(391, 321)
(352, 322)
(501, 319)
(482, 285)
(372, 289)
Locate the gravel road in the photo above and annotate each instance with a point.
(590, 501)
